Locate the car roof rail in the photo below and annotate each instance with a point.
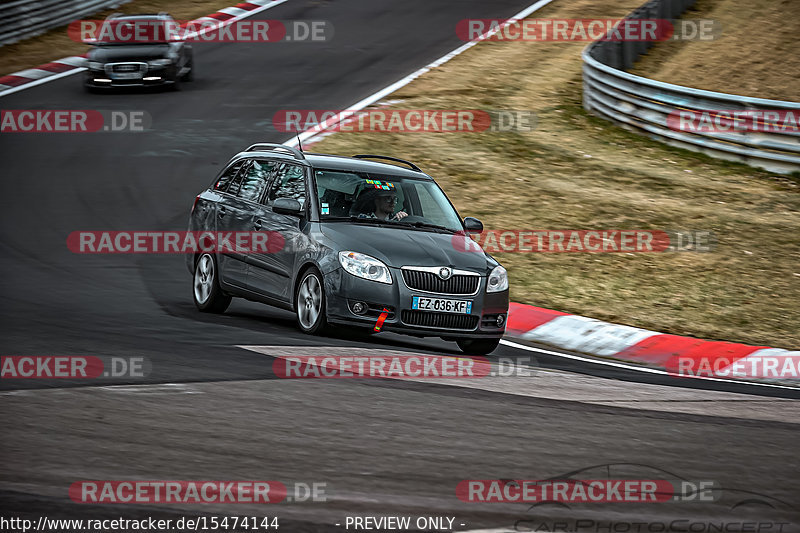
(273, 146)
(411, 165)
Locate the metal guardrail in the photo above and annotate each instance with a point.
(643, 105)
(20, 19)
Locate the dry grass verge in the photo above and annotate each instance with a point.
(755, 55)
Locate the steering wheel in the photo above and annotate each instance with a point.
(414, 218)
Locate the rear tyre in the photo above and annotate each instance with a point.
(189, 76)
(309, 303)
(206, 292)
(477, 346)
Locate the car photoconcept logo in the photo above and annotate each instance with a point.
(445, 273)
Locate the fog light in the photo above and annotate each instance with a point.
(152, 78)
(501, 319)
(359, 308)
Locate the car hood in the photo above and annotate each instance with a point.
(139, 52)
(404, 247)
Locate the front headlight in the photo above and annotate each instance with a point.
(95, 65)
(160, 63)
(498, 280)
(364, 266)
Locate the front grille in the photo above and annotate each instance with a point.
(439, 320)
(129, 67)
(430, 282)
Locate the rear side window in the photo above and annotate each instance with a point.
(289, 182)
(227, 177)
(254, 180)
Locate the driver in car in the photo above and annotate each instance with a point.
(385, 202)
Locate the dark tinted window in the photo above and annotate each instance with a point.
(289, 182)
(227, 176)
(254, 180)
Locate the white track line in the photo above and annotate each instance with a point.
(320, 128)
(638, 368)
(81, 69)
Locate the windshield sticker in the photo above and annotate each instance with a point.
(325, 209)
(378, 184)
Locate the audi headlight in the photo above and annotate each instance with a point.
(95, 65)
(160, 63)
(364, 266)
(498, 280)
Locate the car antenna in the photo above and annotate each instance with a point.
(299, 144)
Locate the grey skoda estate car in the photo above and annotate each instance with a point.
(361, 240)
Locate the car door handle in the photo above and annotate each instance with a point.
(221, 212)
(258, 224)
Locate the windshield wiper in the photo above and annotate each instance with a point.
(369, 220)
(426, 225)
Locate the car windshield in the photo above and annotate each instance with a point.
(379, 198)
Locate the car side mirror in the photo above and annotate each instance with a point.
(473, 225)
(287, 206)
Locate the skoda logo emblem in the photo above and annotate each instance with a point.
(445, 273)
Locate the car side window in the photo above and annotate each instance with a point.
(254, 180)
(289, 182)
(236, 182)
(427, 201)
(227, 177)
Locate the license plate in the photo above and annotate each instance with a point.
(127, 75)
(442, 305)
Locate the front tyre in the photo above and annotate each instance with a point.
(477, 346)
(309, 303)
(189, 76)
(208, 295)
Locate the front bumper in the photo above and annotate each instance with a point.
(343, 289)
(99, 79)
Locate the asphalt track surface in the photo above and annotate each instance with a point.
(212, 410)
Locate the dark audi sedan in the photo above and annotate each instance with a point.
(362, 243)
(138, 51)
